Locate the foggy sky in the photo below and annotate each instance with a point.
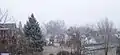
(73, 12)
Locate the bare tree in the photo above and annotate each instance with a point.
(4, 16)
(55, 27)
(77, 39)
(106, 32)
(61, 39)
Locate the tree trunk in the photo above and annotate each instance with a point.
(106, 51)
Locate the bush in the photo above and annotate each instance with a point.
(63, 53)
(51, 54)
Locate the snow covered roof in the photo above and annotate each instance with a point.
(4, 28)
(12, 26)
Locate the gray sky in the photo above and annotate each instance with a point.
(71, 11)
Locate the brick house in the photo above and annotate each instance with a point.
(7, 36)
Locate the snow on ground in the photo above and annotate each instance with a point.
(54, 50)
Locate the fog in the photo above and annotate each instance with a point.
(73, 12)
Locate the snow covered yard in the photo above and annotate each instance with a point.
(54, 50)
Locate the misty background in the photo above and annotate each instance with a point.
(73, 12)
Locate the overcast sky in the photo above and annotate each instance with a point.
(71, 11)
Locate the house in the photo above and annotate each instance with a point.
(7, 35)
(98, 48)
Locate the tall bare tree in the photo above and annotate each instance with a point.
(4, 16)
(54, 28)
(106, 32)
(78, 37)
